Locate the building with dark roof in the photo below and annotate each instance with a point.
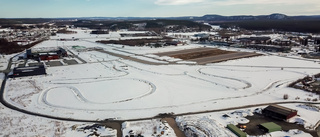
(29, 71)
(255, 40)
(279, 112)
(272, 48)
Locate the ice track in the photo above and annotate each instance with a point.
(80, 97)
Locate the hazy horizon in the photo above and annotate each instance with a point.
(152, 8)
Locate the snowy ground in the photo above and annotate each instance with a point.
(85, 34)
(4, 60)
(96, 88)
(202, 126)
(110, 87)
(148, 128)
(85, 130)
(13, 123)
(291, 133)
(213, 124)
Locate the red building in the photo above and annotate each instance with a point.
(279, 112)
(48, 56)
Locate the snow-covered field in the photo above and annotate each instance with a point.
(148, 128)
(213, 124)
(128, 89)
(108, 86)
(87, 130)
(291, 133)
(202, 126)
(16, 124)
(111, 87)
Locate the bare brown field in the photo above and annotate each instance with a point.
(172, 53)
(207, 55)
(201, 54)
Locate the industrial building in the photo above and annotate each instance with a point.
(29, 71)
(46, 55)
(270, 127)
(272, 48)
(279, 112)
(236, 130)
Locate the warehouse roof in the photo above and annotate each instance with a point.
(280, 109)
(271, 127)
(236, 130)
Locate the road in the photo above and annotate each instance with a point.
(116, 124)
(174, 126)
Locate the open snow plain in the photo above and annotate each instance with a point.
(103, 86)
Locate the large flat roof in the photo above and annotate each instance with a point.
(280, 109)
(236, 130)
(271, 126)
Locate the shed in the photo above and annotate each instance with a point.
(236, 130)
(270, 127)
(279, 112)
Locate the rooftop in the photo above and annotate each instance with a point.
(271, 127)
(280, 109)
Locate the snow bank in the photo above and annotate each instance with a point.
(13, 123)
(202, 126)
(291, 133)
(86, 130)
(148, 128)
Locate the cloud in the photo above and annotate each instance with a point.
(176, 2)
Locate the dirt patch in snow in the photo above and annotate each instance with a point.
(200, 54)
(207, 55)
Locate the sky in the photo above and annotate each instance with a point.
(153, 8)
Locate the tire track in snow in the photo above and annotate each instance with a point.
(44, 95)
(94, 79)
(248, 84)
(218, 84)
(192, 103)
(183, 74)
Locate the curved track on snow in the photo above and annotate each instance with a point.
(80, 97)
(116, 124)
